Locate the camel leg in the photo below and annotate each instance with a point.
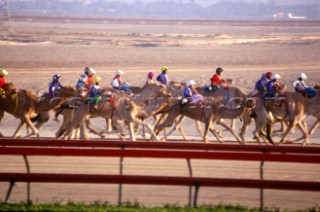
(159, 120)
(314, 127)
(18, 130)
(33, 128)
(131, 131)
(180, 128)
(291, 125)
(83, 131)
(176, 126)
(233, 123)
(257, 131)
(1, 117)
(214, 132)
(222, 123)
(92, 129)
(208, 125)
(109, 125)
(305, 136)
(246, 121)
(138, 121)
(198, 124)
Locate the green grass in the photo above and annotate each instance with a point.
(128, 207)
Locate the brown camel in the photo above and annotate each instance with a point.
(209, 113)
(228, 95)
(24, 105)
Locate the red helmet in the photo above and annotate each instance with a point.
(269, 74)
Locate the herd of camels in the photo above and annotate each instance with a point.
(124, 112)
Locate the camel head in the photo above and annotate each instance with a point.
(249, 103)
(246, 102)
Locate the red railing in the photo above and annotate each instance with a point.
(182, 150)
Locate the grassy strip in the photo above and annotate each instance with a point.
(127, 207)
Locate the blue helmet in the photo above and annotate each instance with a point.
(219, 70)
(56, 76)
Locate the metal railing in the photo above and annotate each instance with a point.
(181, 150)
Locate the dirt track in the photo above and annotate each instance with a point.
(39, 50)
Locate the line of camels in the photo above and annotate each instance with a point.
(124, 112)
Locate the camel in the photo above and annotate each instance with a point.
(293, 111)
(224, 94)
(301, 107)
(209, 113)
(122, 107)
(24, 105)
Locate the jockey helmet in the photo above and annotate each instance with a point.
(219, 70)
(302, 76)
(3, 72)
(56, 76)
(97, 79)
(119, 72)
(190, 82)
(89, 70)
(269, 75)
(150, 74)
(163, 68)
(275, 76)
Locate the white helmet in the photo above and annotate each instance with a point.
(302, 76)
(89, 69)
(190, 82)
(275, 76)
(119, 72)
(3, 72)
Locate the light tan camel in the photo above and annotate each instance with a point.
(122, 107)
(292, 108)
(209, 113)
(24, 105)
(300, 108)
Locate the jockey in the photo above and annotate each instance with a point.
(163, 77)
(95, 96)
(3, 73)
(272, 86)
(86, 80)
(117, 82)
(191, 94)
(150, 78)
(299, 84)
(55, 86)
(215, 79)
(261, 84)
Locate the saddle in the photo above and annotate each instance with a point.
(310, 92)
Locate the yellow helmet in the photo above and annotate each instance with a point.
(97, 79)
(164, 68)
(3, 72)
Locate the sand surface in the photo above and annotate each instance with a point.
(37, 50)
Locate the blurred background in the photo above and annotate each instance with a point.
(180, 9)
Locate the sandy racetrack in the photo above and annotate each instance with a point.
(38, 50)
